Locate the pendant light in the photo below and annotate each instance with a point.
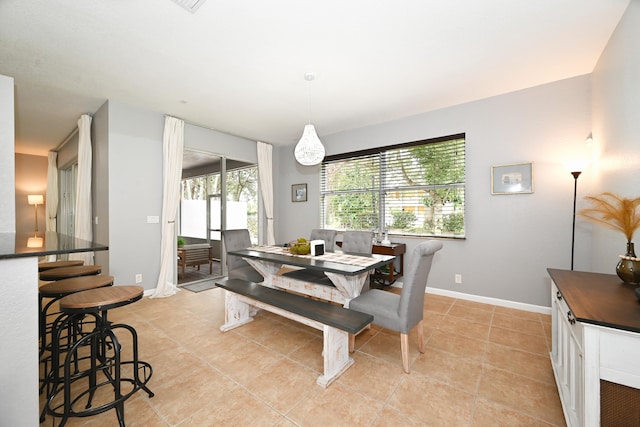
(309, 150)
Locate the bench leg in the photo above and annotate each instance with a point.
(236, 312)
(336, 355)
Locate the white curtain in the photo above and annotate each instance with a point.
(51, 200)
(172, 147)
(83, 223)
(265, 173)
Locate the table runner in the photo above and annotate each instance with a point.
(341, 258)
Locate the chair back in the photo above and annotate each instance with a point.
(414, 282)
(329, 237)
(359, 242)
(234, 240)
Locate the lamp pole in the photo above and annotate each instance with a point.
(573, 230)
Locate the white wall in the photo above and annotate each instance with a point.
(134, 193)
(616, 130)
(18, 305)
(128, 185)
(511, 239)
(7, 152)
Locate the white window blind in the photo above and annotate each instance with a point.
(415, 189)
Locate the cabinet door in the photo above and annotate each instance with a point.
(567, 359)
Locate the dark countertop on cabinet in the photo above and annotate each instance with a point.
(599, 299)
(18, 245)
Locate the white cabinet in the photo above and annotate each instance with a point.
(595, 337)
(567, 359)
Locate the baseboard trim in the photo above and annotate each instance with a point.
(489, 300)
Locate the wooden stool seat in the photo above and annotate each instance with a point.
(101, 299)
(74, 284)
(44, 266)
(69, 272)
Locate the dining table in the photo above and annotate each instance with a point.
(347, 273)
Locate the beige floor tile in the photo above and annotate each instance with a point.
(521, 394)
(464, 327)
(511, 359)
(283, 385)
(490, 414)
(245, 360)
(335, 406)
(471, 313)
(460, 303)
(532, 343)
(526, 326)
(236, 408)
(457, 344)
(519, 313)
(456, 371)
(437, 303)
(178, 398)
(373, 377)
(310, 355)
(392, 418)
(281, 337)
(432, 402)
(386, 346)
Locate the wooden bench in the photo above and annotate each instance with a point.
(195, 255)
(338, 324)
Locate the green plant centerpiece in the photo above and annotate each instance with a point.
(300, 247)
(620, 214)
(181, 242)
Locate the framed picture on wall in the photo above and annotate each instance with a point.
(299, 193)
(515, 178)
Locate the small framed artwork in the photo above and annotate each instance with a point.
(515, 178)
(299, 193)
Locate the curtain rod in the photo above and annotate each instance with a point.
(67, 139)
(71, 135)
(210, 128)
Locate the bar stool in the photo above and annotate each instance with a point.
(43, 266)
(99, 353)
(69, 272)
(55, 291)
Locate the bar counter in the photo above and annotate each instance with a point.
(19, 254)
(18, 245)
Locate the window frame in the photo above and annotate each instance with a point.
(386, 186)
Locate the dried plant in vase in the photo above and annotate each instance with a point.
(621, 214)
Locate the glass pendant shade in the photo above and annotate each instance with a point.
(309, 150)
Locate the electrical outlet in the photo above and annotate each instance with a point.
(138, 278)
(458, 278)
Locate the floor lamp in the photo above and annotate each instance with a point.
(573, 229)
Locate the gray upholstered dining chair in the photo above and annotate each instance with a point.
(329, 237)
(360, 242)
(237, 268)
(402, 312)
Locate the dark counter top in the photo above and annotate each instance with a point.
(19, 245)
(599, 299)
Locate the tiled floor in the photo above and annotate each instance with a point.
(483, 366)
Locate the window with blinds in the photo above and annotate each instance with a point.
(413, 189)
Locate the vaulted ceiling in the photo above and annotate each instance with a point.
(238, 66)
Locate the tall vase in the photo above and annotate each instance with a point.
(628, 268)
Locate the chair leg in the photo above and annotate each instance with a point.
(352, 343)
(404, 346)
(420, 331)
